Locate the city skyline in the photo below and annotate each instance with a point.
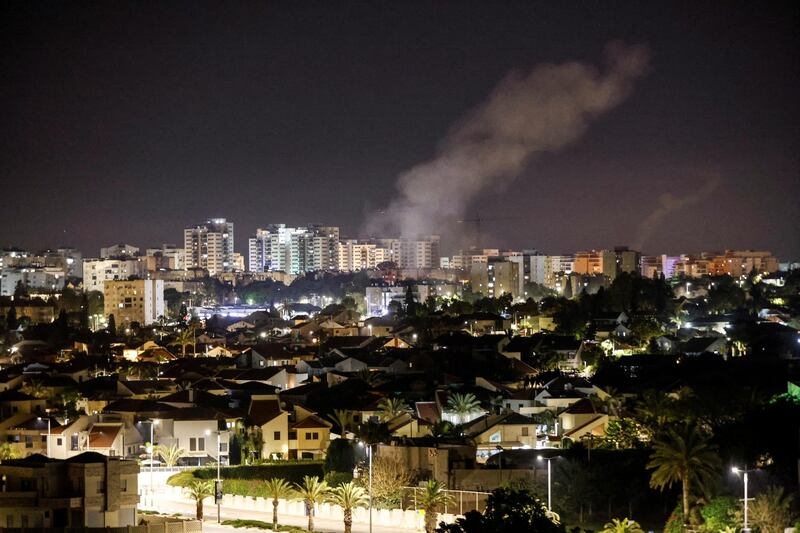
(257, 114)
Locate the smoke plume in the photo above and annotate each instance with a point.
(541, 111)
(666, 205)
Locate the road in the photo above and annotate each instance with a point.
(210, 522)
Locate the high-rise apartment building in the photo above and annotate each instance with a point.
(295, 251)
(139, 301)
(421, 252)
(210, 246)
(119, 250)
(496, 277)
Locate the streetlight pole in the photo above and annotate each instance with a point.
(745, 475)
(549, 479)
(48, 430)
(153, 424)
(369, 462)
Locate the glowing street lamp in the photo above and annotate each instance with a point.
(39, 418)
(369, 457)
(744, 472)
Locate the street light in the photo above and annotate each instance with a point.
(218, 482)
(745, 472)
(549, 492)
(153, 424)
(369, 457)
(39, 418)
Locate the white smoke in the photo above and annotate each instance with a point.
(667, 204)
(542, 111)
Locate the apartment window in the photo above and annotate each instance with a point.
(192, 444)
(101, 486)
(223, 447)
(524, 431)
(59, 441)
(28, 441)
(44, 439)
(276, 435)
(27, 485)
(73, 443)
(123, 485)
(197, 444)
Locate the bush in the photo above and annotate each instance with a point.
(334, 479)
(340, 456)
(292, 471)
(718, 514)
(261, 525)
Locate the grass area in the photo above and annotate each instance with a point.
(249, 480)
(262, 525)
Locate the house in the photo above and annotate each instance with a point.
(309, 436)
(87, 490)
(265, 413)
(582, 419)
(13, 402)
(505, 431)
(701, 345)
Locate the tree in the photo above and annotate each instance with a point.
(507, 510)
(349, 496)
(389, 408)
(344, 420)
(277, 489)
(389, 477)
(35, 388)
(624, 525)
(111, 327)
(685, 456)
(463, 405)
(441, 428)
(340, 456)
(431, 499)
(771, 511)
(312, 491)
(20, 291)
(199, 490)
(186, 337)
(11, 318)
(9, 451)
(170, 454)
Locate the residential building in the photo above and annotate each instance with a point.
(594, 262)
(167, 257)
(119, 251)
(421, 252)
(295, 251)
(139, 301)
(210, 246)
(496, 277)
(97, 271)
(33, 278)
(87, 490)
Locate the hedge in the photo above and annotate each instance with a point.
(292, 472)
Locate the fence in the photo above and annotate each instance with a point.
(461, 500)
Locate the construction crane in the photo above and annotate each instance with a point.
(477, 219)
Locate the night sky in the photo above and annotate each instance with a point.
(123, 122)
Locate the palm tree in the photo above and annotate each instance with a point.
(389, 408)
(441, 428)
(624, 525)
(683, 455)
(343, 419)
(277, 489)
(349, 496)
(433, 497)
(9, 451)
(614, 401)
(170, 454)
(198, 491)
(463, 405)
(35, 388)
(312, 491)
(185, 338)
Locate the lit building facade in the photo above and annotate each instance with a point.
(139, 301)
(210, 246)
